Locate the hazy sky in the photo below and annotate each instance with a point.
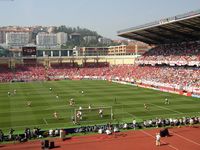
(104, 16)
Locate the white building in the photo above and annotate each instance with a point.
(17, 38)
(104, 40)
(46, 40)
(51, 29)
(2, 37)
(62, 38)
(90, 38)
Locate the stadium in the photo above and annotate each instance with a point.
(44, 96)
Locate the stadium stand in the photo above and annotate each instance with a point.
(175, 54)
(174, 60)
(176, 78)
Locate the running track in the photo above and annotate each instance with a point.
(185, 138)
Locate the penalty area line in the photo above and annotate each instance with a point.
(166, 108)
(45, 121)
(134, 116)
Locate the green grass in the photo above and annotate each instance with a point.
(15, 113)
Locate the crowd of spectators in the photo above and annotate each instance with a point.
(109, 128)
(6, 74)
(173, 54)
(22, 73)
(27, 135)
(29, 73)
(155, 123)
(182, 78)
(185, 78)
(174, 66)
(162, 122)
(181, 71)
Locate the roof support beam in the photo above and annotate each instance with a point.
(145, 40)
(158, 40)
(182, 30)
(163, 35)
(188, 26)
(181, 34)
(148, 41)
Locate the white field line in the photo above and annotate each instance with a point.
(45, 121)
(191, 141)
(170, 115)
(57, 107)
(167, 108)
(37, 125)
(161, 141)
(134, 116)
(162, 114)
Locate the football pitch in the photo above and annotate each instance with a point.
(127, 102)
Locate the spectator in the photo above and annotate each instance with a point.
(51, 132)
(1, 136)
(108, 131)
(11, 134)
(100, 131)
(134, 123)
(116, 129)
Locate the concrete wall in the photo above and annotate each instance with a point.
(112, 60)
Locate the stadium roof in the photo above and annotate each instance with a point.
(180, 28)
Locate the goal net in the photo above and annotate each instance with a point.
(93, 114)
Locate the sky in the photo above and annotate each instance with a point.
(104, 16)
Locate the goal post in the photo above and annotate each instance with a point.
(92, 114)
